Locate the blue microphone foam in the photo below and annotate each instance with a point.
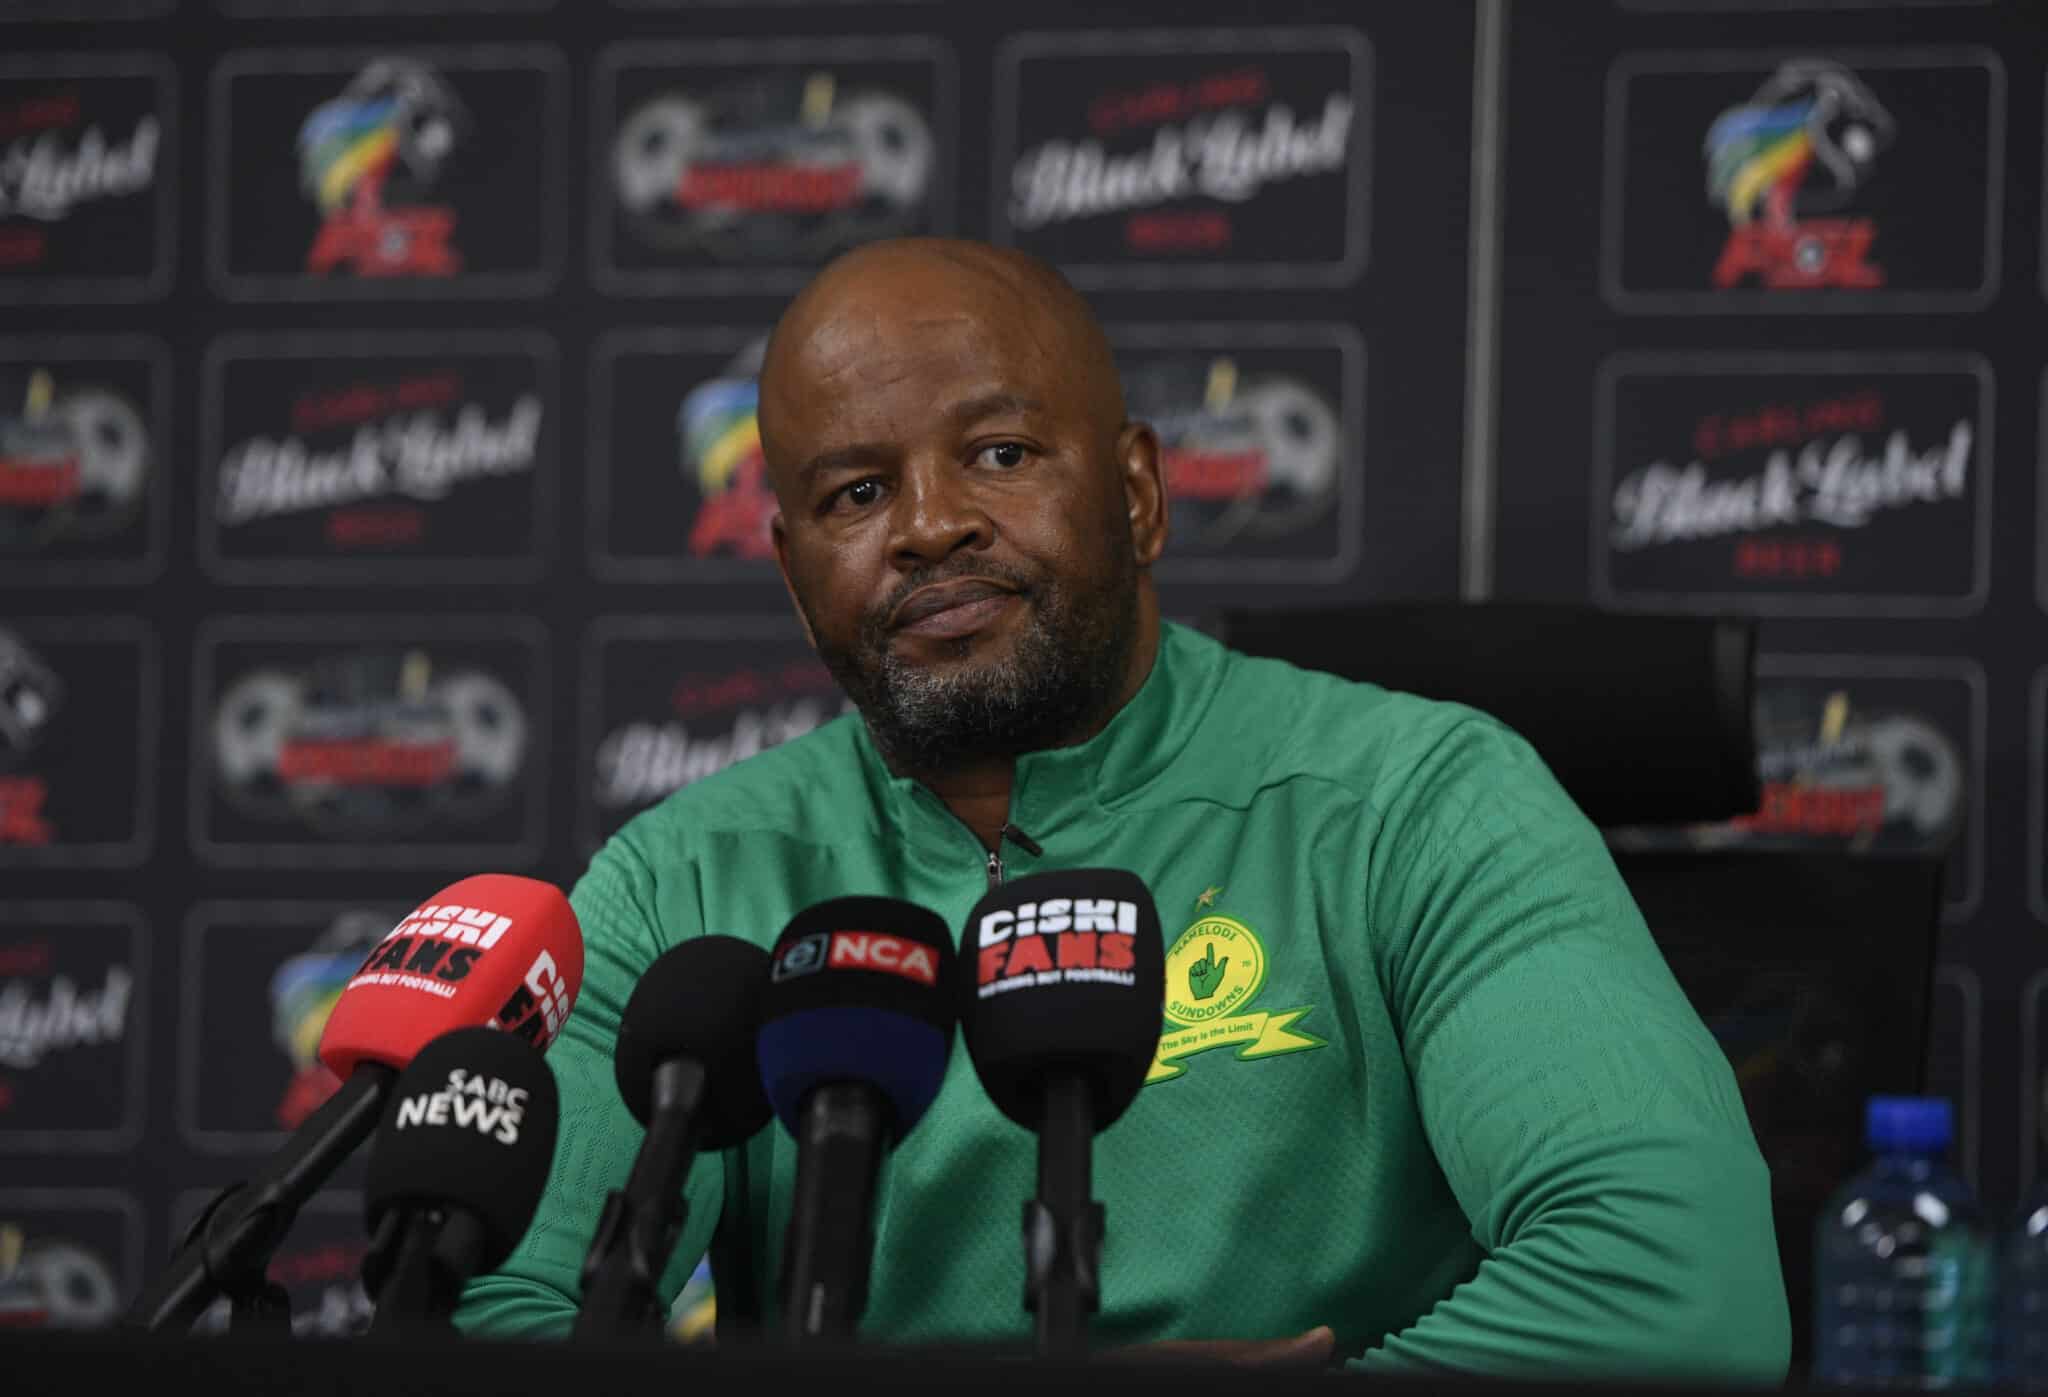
(902, 1057)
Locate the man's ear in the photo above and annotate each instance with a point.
(781, 538)
(1144, 481)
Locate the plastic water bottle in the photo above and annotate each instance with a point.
(1903, 1275)
(2024, 1289)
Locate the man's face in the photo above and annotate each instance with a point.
(955, 528)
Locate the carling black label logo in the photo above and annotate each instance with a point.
(72, 991)
(673, 702)
(419, 171)
(1209, 157)
(69, 1257)
(78, 707)
(85, 177)
(318, 1265)
(81, 455)
(378, 458)
(1260, 440)
(260, 981)
(721, 162)
(344, 742)
(1847, 182)
(1797, 485)
(1864, 755)
(679, 485)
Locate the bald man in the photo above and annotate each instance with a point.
(1467, 1121)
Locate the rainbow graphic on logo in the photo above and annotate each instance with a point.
(302, 994)
(1759, 152)
(721, 452)
(345, 142)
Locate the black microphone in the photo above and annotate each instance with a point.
(456, 1171)
(1060, 1010)
(856, 1029)
(685, 1067)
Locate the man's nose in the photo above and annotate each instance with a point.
(936, 514)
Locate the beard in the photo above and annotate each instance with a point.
(1053, 686)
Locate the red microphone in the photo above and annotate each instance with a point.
(494, 950)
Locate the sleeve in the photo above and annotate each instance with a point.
(1588, 1124)
(535, 1293)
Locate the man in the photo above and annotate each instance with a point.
(1469, 1120)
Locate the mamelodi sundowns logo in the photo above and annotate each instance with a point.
(673, 702)
(352, 740)
(404, 171)
(1868, 180)
(85, 176)
(1199, 157)
(378, 458)
(81, 457)
(1794, 484)
(721, 162)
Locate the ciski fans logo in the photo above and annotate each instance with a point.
(779, 165)
(1061, 940)
(1801, 144)
(73, 462)
(469, 1101)
(30, 697)
(856, 950)
(367, 159)
(437, 947)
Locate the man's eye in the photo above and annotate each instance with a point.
(1006, 454)
(860, 494)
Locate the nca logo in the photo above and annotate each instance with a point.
(1067, 938)
(486, 1105)
(857, 950)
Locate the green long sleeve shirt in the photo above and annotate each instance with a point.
(1423, 1075)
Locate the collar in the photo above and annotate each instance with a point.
(1056, 787)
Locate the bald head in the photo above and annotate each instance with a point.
(880, 302)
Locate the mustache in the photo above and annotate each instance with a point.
(876, 619)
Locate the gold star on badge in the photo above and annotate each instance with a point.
(1208, 897)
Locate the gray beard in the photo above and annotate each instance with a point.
(1058, 681)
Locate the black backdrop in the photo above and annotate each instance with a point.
(377, 501)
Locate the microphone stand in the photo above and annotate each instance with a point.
(229, 1251)
(638, 1229)
(1063, 1227)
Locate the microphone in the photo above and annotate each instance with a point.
(856, 1027)
(491, 949)
(456, 1172)
(1061, 1018)
(685, 1067)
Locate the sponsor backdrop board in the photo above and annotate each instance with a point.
(1790, 256)
(381, 497)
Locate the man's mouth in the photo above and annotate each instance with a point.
(949, 609)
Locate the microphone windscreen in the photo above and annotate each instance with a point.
(471, 1124)
(492, 949)
(699, 1000)
(859, 990)
(1062, 971)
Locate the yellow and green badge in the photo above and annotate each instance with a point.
(1213, 972)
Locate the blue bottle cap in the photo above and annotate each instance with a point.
(1919, 1124)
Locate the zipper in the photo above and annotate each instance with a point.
(995, 857)
(995, 868)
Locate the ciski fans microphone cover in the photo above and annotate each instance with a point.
(686, 1069)
(856, 1030)
(493, 949)
(1060, 1011)
(456, 1171)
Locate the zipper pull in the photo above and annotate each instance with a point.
(995, 868)
(1023, 841)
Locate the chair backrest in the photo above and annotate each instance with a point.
(1644, 719)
